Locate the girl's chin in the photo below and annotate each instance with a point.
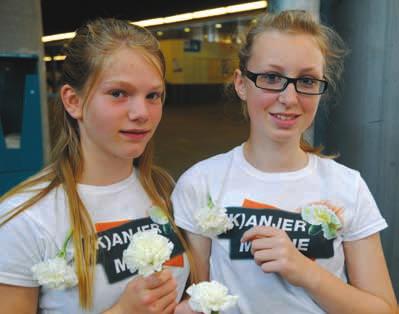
(285, 137)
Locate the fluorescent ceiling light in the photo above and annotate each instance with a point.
(250, 6)
(58, 37)
(178, 18)
(246, 7)
(208, 13)
(151, 22)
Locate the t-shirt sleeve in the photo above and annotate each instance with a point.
(188, 196)
(366, 218)
(21, 246)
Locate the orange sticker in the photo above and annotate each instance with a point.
(102, 226)
(256, 205)
(177, 261)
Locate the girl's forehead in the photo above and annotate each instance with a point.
(285, 49)
(129, 61)
(274, 40)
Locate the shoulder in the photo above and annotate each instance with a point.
(197, 182)
(328, 164)
(338, 173)
(210, 167)
(29, 237)
(43, 214)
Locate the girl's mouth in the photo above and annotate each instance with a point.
(285, 117)
(284, 120)
(134, 134)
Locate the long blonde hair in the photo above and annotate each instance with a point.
(86, 53)
(299, 22)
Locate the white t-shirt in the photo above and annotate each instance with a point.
(233, 183)
(37, 234)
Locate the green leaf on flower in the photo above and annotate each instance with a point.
(62, 253)
(314, 230)
(330, 230)
(157, 215)
(210, 203)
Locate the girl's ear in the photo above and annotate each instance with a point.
(239, 85)
(72, 102)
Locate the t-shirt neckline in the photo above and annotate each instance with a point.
(114, 187)
(273, 176)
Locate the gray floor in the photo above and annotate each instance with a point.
(191, 133)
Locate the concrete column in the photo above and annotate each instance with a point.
(363, 127)
(21, 32)
(211, 33)
(197, 33)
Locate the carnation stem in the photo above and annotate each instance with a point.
(215, 312)
(62, 253)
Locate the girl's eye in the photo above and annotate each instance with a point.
(307, 81)
(154, 96)
(271, 78)
(117, 93)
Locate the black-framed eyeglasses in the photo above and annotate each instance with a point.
(272, 81)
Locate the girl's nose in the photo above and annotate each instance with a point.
(289, 96)
(138, 109)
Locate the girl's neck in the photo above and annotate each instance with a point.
(101, 171)
(275, 157)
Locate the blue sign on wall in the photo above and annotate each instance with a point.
(192, 45)
(21, 152)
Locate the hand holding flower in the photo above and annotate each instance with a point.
(154, 291)
(155, 294)
(147, 251)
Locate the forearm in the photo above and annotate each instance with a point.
(203, 270)
(336, 296)
(201, 248)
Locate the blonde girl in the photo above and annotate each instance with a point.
(100, 185)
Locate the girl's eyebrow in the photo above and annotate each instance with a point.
(126, 84)
(313, 69)
(279, 67)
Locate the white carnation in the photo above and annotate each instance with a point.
(321, 215)
(210, 297)
(55, 274)
(213, 220)
(147, 251)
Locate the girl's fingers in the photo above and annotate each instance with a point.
(259, 232)
(271, 267)
(157, 279)
(167, 301)
(265, 256)
(262, 244)
(170, 309)
(164, 290)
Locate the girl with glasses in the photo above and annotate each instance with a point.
(286, 228)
